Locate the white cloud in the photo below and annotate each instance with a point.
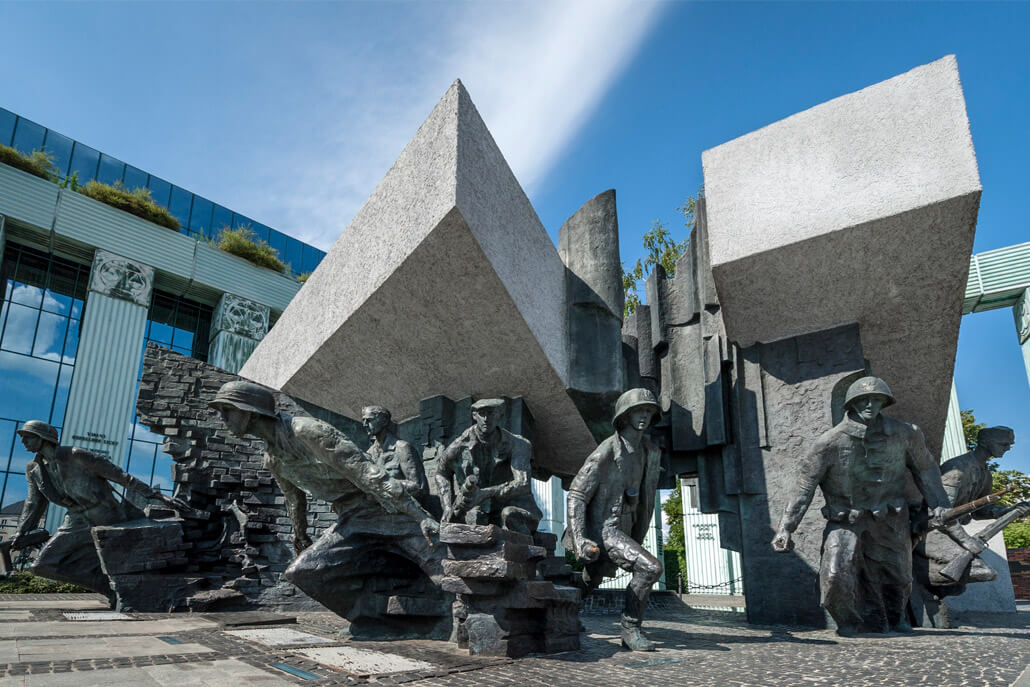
(535, 70)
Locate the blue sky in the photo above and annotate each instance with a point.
(291, 112)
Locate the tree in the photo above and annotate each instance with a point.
(661, 249)
(1017, 535)
(970, 427)
(675, 545)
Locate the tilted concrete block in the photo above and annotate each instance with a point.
(861, 209)
(444, 283)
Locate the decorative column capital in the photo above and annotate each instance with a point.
(118, 277)
(1022, 314)
(240, 316)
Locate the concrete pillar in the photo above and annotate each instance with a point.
(550, 497)
(954, 443)
(1022, 315)
(100, 400)
(237, 328)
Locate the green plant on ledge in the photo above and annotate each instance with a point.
(136, 202)
(303, 277)
(27, 583)
(242, 242)
(39, 163)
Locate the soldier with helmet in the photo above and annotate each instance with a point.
(78, 480)
(610, 506)
(860, 465)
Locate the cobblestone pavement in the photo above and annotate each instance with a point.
(696, 647)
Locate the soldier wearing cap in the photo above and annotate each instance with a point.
(308, 456)
(396, 456)
(79, 481)
(861, 465)
(610, 506)
(483, 477)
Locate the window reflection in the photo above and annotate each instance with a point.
(200, 217)
(179, 206)
(28, 136)
(7, 120)
(84, 162)
(60, 148)
(159, 190)
(134, 178)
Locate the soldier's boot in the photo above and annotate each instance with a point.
(632, 618)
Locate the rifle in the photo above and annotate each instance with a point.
(953, 514)
(957, 568)
(28, 540)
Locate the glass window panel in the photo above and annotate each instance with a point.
(141, 433)
(50, 336)
(31, 296)
(77, 305)
(28, 136)
(64, 383)
(186, 317)
(294, 254)
(60, 147)
(84, 162)
(200, 217)
(60, 288)
(20, 457)
(183, 340)
(71, 342)
(19, 331)
(111, 170)
(7, 120)
(160, 333)
(7, 439)
(32, 269)
(221, 217)
(312, 256)
(278, 243)
(134, 178)
(29, 386)
(159, 190)
(141, 460)
(15, 490)
(163, 472)
(179, 206)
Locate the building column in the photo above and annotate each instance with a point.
(236, 329)
(550, 497)
(954, 443)
(3, 236)
(103, 388)
(1022, 314)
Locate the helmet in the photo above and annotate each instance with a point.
(636, 398)
(248, 396)
(868, 386)
(39, 429)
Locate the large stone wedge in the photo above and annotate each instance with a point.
(861, 209)
(444, 283)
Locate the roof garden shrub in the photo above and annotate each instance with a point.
(39, 163)
(242, 242)
(136, 202)
(27, 583)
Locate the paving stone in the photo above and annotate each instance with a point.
(363, 662)
(97, 616)
(65, 649)
(279, 636)
(102, 628)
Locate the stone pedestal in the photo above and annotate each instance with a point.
(501, 607)
(987, 597)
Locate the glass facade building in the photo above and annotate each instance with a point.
(198, 217)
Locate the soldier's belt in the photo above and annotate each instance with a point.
(852, 515)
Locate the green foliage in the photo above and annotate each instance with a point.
(662, 249)
(970, 427)
(136, 202)
(570, 558)
(27, 583)
(675, 545)
(1005, 478)
(303, 277)
(242, 242)
(39, 163)
(1017, 535)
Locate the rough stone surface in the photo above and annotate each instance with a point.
(445, 282)
(279, 636)
(861, 209)
(363, 662)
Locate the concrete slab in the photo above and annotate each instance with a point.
(103, 627)
(15, 615)
(95, 616)
(861, 209)
(66, 649)
(279, 636)
(445, 282)
(223, 673)
(60, 604)
(362, 662)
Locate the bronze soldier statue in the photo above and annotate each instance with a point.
(396, 456)
(308, 456)
(79, 481)
(483, 478)
(610, 506)
(860, 465)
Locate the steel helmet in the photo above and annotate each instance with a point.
(248, 396)
(39, 429)
(636, 398)
(868, 386)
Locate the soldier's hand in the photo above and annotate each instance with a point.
(782, 542)
(429, 528)
(301, 542)
(588, 551)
